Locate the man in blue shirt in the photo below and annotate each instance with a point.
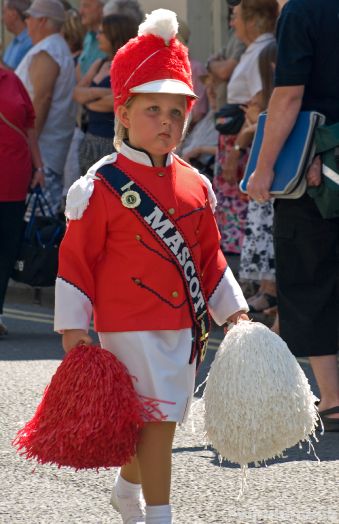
(14, 21)
(91, 16)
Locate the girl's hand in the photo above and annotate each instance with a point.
(75, 337)
(234, 319)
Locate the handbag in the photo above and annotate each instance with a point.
(326, 196)
(37, 262)
(293, 160)
(229, 119)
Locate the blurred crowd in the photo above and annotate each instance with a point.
(62, 57)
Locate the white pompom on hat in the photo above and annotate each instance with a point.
(257, 399)
(153, 62)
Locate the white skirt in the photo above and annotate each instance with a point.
(159, 361)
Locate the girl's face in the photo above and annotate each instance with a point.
(104, 43)
(155, 123)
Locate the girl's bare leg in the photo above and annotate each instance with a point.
(155, 461)
(131, 472)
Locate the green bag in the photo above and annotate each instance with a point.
(326, 196)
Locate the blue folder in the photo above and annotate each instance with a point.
(294, 158)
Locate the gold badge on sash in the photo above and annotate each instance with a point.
(130, 199)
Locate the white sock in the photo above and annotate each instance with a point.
(158, 514)
(127, 490)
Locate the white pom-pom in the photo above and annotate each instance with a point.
(258, 401)
(161, 22)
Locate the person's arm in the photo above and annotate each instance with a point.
(199, 150)
(103, 105)
(86, 80)
(44, 72)
(283, 110)
(81, 248)
(77, 73)
(38, 170)
(222, 69)
(85, 95)
(243, 141)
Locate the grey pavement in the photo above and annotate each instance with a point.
(294, 490)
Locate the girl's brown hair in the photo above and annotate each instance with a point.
(264, 12)
(118, 29)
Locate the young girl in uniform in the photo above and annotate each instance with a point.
(142, 252)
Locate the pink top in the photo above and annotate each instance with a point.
(15, 155)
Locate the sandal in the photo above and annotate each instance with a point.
(264, 301)
(330, 424)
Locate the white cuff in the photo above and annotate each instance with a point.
(73, 309)
(227, 299)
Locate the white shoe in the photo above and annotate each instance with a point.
(131, 510)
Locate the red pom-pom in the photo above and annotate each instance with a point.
(90, 415)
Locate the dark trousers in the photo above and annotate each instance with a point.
(307, 271)
(11, 217)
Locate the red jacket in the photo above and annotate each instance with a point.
(112, 258)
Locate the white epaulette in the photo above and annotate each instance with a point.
(211, 195)
(81, 191)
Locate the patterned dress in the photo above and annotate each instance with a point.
(257, 254)
(231, 211)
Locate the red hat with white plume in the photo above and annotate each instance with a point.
(153, 62)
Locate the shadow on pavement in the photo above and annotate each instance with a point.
(326, 449)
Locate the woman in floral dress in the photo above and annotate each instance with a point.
(254, 22)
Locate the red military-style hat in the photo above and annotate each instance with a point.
(153, 62)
